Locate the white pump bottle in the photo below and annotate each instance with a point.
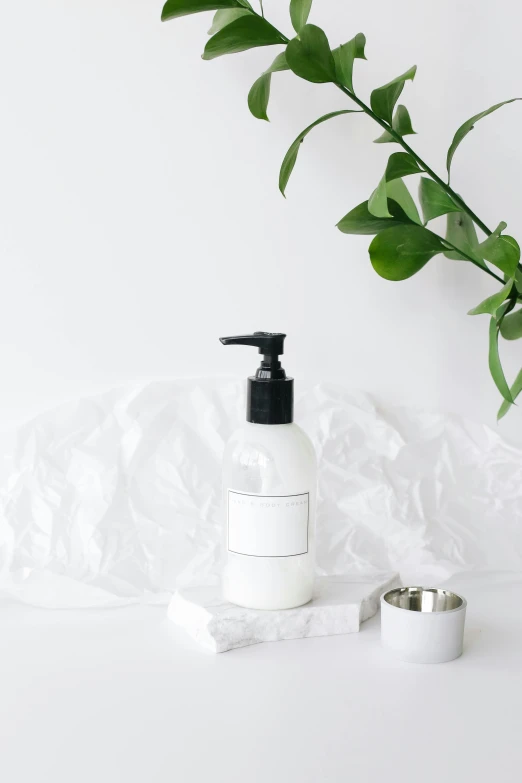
(269, 492)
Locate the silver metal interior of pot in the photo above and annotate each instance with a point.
(423, 599)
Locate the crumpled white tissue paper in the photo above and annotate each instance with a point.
(115, 499)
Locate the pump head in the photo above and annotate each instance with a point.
(270, 344)
(270, 392)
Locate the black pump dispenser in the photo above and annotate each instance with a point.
(270, 398)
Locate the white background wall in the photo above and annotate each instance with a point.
(140, 217)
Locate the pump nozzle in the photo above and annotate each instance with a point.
(270, 392)
(270, 344)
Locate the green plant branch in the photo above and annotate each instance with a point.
(401, 249)
(406, 147)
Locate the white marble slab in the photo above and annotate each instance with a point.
(340, 605)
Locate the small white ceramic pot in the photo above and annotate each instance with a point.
(423, 624)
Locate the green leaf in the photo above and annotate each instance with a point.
(309, 55)
(399, 252)
(299, 13)
(496, 233)
(495, 366)
(502, 251)
(460, 231)
(401, 124)
(434, 200)
(514, 391)
(385, 138)
(506, 307)
(401, 164)
(174, 8)
(518, 281)
(291, 156)
(224, 17)
(492, 303)
(468, 126)
(244, 33)
(383, 99)
(344, 57)
(511, 326)
(378, 201)
(398, 191)
(361, 221)
(259, 94)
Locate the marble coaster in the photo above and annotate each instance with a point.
(340, 605)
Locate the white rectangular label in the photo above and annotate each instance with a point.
(267, 525)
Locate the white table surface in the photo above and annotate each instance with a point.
(123, 695)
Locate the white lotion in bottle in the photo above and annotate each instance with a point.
(269, 489)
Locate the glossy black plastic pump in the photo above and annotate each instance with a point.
(270, 398)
